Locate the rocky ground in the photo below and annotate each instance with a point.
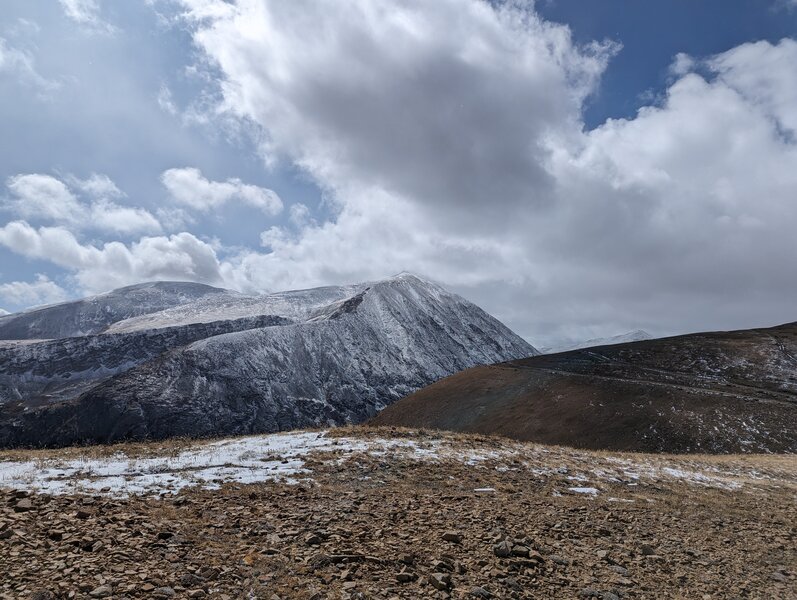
(369, 513)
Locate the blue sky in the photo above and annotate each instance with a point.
(652, 33)
(389, 151)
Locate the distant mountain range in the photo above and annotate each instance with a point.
(166, 359)
(708, 392)
(637, 335)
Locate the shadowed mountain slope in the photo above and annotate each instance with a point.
(709, 392)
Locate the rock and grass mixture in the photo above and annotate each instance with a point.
(387, 513)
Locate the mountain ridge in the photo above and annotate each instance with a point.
(329, 356)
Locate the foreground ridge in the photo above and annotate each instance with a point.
(361, 512)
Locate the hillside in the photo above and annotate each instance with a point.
(231, 364)
(387, 513)
(711, 392)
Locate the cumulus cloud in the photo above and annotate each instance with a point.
(449, 102)
(98, 268)
(189, 187)
(449, 138)
(24, 293)
(40, 197)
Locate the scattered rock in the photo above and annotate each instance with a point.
(312, 539)
(440, 581)
(453, 536)
(647, 550)
(503, 549)
(103, 591)
(190, 580)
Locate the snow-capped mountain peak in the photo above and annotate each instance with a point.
(222, 362)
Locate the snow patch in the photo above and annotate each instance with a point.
(584, 490)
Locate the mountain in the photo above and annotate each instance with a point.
(710, 392)
(637, 335)
(225, 363)
(93, 315)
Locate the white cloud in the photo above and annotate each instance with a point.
(299, 215)
(42, 196)
(87, 14)
(445, 103)
(187, 186)
(96, 185)
(165, 100)
(113, 264)
(20, 63)
(108, 216)
(39, 197)
(449, 138)
(682, 64)
(24, 293)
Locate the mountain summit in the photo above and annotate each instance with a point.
(225, 363)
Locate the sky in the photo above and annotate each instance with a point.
(577, 172)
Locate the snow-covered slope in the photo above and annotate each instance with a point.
(297, 305)
(324, 356)
(637, 335)
(94, 314)
(4, 312)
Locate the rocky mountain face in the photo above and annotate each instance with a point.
(223, 363)
(710, 392)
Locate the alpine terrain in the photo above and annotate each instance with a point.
(720, 392)
(632, 336)
(181, 359)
